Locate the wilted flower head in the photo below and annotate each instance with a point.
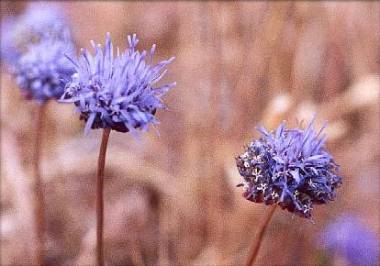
(349, 238)
(289, 167)
(117, 93)
(42, 71)
(39, 21)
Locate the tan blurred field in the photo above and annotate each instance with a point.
(172, 199)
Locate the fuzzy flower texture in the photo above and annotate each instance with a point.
(349, 238)
(42, 72)
(117, 93)
(33, 47)
(38, 21)
(289, 167)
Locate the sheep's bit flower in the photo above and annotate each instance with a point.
(33, 45)
(40, 20)
(117, 93)
(42, 71)
(289, 167)
(348, 237)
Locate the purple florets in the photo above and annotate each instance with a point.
(289, 167)
(117, 93)
(42, 71)
(34, 45)
(349, 238)
(39, 21)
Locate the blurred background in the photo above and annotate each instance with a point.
(171, 199)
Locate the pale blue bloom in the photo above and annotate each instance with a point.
(42, 72)
(117, 92)
(40, 20)
(9, 53)
(351, 239)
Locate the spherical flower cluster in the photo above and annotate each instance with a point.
(41, 19)
(117, 92)
(350, 239)
(37, 22)
(9, 53)
(42, 72)
(289, 167)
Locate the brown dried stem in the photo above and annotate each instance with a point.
(99, 197)
(254, 250)
(39, 206)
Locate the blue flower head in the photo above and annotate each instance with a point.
(43, 70)
(289, 167)
(350, 239)
(41, 19)
(37, 22)
(9, 53)
(117, 92)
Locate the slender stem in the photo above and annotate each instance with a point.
(39, 205)
(259, 237)
(99, 197)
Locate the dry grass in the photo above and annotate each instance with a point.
(172, 200)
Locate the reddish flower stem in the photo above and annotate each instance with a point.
(39, 203)
(254, 250)
(99, 197)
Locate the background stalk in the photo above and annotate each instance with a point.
(99, 197)
(254, 250)
(39, 207)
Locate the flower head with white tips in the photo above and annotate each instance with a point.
(117, 92)
(289, 167)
